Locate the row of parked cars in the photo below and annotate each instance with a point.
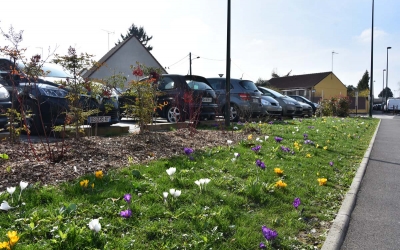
(46, 101)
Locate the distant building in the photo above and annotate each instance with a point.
(314, 86)
(120, 58)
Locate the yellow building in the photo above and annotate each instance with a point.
(312, 86)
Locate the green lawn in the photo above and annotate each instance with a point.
(226, 213)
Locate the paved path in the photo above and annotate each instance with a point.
(371, 219)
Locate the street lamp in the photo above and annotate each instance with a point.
(383, 84)
(333, 52)
(387, 70)
(372, 62)
(190, 62)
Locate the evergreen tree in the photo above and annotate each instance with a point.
(350, 90)
(139, 33)
(363, 84)
(387, 92)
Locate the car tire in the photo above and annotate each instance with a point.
(235, 113)
(33, 120)
(174, 114)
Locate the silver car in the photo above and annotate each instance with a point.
(290, 107)
(307, 109)
(272, 105)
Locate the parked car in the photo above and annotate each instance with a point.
(290, 107)
(307, 109)
(185, 96)
(5, 103)
(300, 98)
(272, 105)
(245, 99)
(45, 100)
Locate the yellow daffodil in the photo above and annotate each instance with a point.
(13, 237)
(308, 155)
(278, 171)
(250, 137)
(322, 181)
(280, 184)
(99, 174)
(84, 183)
(325, 148)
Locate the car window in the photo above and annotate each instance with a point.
(217, 84)
(274, 93)
(248, 85)
(166, 83)
(54, 70)
(197, 85)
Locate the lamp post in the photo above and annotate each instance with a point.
(333, 52)
(383, 85)
(190, 62)
(372, 62)
(387, 70)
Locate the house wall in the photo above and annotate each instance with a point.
(329, 87)
(121, 60)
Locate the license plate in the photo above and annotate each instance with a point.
(207, 99)
(256, 101)
(99, 119)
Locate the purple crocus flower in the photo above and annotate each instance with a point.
(308, 142)
(262, 165)
(126, 213)
(268, 233)
(188, 151)
(278, 139)
(128, 198)
(256, 148)
(305, 136)
(258, 162)
(263, 246)
(331, 163)
(296, 202)
(271, 122)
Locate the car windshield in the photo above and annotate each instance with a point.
(54, 70)
(248, 85)
(198, 85)
(276, 94)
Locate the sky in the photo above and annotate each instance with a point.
(296, 36)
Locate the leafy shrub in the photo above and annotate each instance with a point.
(336, 106)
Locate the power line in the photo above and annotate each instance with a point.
(177, 61)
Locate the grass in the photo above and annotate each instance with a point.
(227, 213)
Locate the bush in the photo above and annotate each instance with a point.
(336, 106)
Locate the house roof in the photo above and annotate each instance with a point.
(299, 81)
(111, 52)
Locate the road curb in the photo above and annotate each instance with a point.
(338, 230)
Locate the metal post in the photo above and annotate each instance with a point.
(333, 52)
(228, 68)
(383, 86)
(190, 63)
(372, 62)
(387, 71)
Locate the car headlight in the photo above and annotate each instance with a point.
(53, 91)
(265, 102)
(4, 93)
(289, 102)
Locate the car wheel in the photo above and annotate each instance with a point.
(235, 113)
(174, 114)
(32, 117)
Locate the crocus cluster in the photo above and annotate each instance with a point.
(280, 184)
(308, 142)
(260, 164)
(171, 172)
(202, 183)
(278, 139)
(296, 202)
(127, 213)
(12, 240)
(256, 149)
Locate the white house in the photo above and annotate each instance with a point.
(120, 58)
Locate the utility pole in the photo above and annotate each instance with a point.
(333, 52)
(228, 68)
(108, 33)
(190, 62)
(372, 63)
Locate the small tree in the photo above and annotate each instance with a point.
(387, 92)
(140, 34)
(350, 90)
(363, 84)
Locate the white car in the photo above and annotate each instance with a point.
(393, 105)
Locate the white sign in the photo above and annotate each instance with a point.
(99, 119)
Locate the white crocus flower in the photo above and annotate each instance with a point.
(94, 225)
(23, 185)
(171, 172)
(172, 191)
(165, 194)
(233, 159)
(177, 193)
(11, 190)
(229, 142)
(198, 183)
(236, 155)
(206, 181)
(258, 139)
(266, 137)
(4, 206)
(235, 128)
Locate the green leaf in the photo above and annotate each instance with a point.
(32, 225)
(4, 156)
(71, 208)
(136, 174)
